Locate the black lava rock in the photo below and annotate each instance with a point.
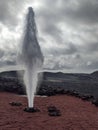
(87, 97)
(31, 109)
(95, 102)
(53, 111)
(15, 103)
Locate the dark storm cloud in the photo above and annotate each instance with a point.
(1, 53)
(81, 16)
(79, 11)
(52, 30)
(72, 12)
(57, 66)
(93, 47)
(67, 28)
(93, 65)
(86, 11)
(88, 48)
(67, 49)
(7, 57)
(76, 11)
(9, 10)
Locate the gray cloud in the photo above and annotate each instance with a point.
(65, 49)
(1, 53)
(78, 19)
(68, 32)
(7, 57)
(78, 11)
(93, 65)
(10, 11)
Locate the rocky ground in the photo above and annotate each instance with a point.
(76, 114)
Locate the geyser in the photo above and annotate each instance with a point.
(30, 57)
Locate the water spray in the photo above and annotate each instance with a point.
(30, 57)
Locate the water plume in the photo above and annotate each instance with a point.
(30, 56)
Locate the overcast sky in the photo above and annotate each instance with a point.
(67, 32)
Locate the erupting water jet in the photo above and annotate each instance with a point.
(31, 57)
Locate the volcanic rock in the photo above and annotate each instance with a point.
(53, 111)
(31, 109)
(15, 103)
(87, 97)
(95, 102)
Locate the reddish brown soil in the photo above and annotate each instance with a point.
(76, 114)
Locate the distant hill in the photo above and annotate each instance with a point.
(55, 76)
(81, 82)
(11, 74)
(95, 74)
(51, 74)
(8, 74)
(70, 76)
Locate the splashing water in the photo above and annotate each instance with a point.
(31, 57)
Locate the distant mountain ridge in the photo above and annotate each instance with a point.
(80, 82)
(54, 75)
(95, 73)
(70, 76)
(13, 74)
